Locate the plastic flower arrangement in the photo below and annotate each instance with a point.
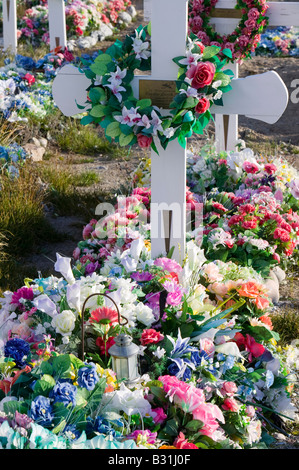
(201, 81)
(279, 42)
(83, 19)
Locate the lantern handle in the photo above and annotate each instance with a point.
(83, 311)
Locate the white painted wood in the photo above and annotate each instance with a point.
(280, 14)
(262, 96)
(57, 24)
(9, 9)
(168, 170)
(69, 90)
(147, 10)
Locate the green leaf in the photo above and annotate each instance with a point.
(86, 120)
(182, 140)
(210, 51)
(125, 139)
(194, 425)
(98, 111)
(103, 59)
(96, 94)
(227, 52)
(225, 79)
(145, 103)
(44, 385)
(113, 129)
(98, 68)
(96, 395)
(190, 102)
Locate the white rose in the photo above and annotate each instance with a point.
(64, 322)
(144, 314)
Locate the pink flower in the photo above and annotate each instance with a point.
(230, 404)
(250, 167)
(151, 336)
(281, 234)
(159, 415)
(207, 345)
(270, 168)
(201, 74)
(30, 79)
(182, 443)
(229, 388)
(168, 264)
(25, 293)
(144, 141)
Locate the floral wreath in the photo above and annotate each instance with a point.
(246, 36)
(127, 120)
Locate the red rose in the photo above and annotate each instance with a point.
(150, 336)
(144, 141)
(201, 74)
(202, 106)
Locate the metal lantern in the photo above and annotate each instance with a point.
(123, 352)
(124, 358)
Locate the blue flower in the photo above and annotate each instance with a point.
(180, 346)
(64, 392)
(26, 63)
(18, 350)
(41, 410)
(103, 426)
(181, 368)
(88, 377)
(269, 378)
(199, 358)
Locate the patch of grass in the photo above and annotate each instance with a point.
(84, 140)
(22, 218)
(66, 194)
(286, 323)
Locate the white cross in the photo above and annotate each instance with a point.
(279, 14)
(9, 10)
(168, 177)
(57, 24)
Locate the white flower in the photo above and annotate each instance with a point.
(116, 88)
(64, 322)
(156, 123)
(117, 76)
(45, 304)
(169, 132)
(140, 47)
(159, 353)
(190, 59)
(144, 314)
(130, 402)
(128, 116)
(63, 266)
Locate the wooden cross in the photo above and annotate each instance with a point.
(224, 19)
(9, 10)
(57, 24)
(248, 96)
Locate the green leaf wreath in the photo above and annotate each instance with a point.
(201, 81)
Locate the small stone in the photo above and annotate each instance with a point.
(104, 32)
(35, 152)
(132, 11)
(35, 141)
(43, 142)
(124, 17)
(272, 289)
(279, 273)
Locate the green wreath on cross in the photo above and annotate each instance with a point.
(201, 82)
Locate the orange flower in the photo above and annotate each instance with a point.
(262, 303)
(267, 320)
(167, 447)
(250, 290)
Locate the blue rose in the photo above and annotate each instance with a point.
(26, 63)
(18, 350)
(88, 377)
(41, 410)
(64, 392)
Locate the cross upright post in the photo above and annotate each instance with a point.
(168, 169)
(224, 20)
(9, 10)
(57, 24)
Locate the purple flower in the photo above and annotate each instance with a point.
(168, 265)
(294, 187)
(142, 277)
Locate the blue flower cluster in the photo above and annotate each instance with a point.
(18, 350)
(278, 42)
